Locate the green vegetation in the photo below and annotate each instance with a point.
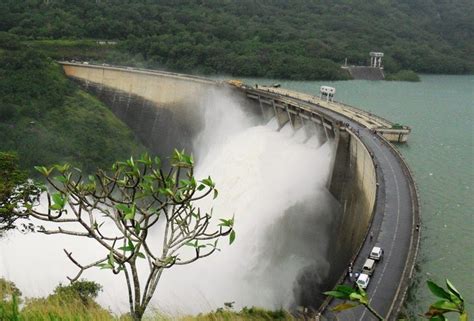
(132, 199)
(253, 314)
(404, 75)
(15, 190)
(60, 49)
(451, 301)
(46, 119)
(67, 303)
(76, 302)
(10, 178)
(300, 39)
(353, 297)
(397, 126)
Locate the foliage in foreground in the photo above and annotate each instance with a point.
(68, 303)
(76, 302)
(118, 209)
(15, 190)
(252, 313)
(451, 301)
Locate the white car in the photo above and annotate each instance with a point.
(363, 281)
(376, 253)
(369, 267)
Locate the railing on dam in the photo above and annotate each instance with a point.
(392, 132)
(367, 197)
(405, 206)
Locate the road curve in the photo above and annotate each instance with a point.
(394, 226)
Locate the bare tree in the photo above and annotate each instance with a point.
(119, 209)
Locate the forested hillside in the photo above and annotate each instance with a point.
(46, 119)
(305, 39)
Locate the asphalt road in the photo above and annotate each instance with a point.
(392, 228)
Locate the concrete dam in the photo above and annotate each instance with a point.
(377, 200)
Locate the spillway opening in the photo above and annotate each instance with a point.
(274, 182)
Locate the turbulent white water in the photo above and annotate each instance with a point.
(272, 182)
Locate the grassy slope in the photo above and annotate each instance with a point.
(82, 131)
(46, 119)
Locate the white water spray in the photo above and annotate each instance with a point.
(272, 182)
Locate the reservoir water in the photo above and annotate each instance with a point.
(440, 152)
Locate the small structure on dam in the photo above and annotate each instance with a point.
(376, 59)
(372, 72)
(391, 131)
(327, 92)
(370, 179)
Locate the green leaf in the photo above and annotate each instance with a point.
(226, 223)
(131, 214)
(437, 290)
(145, 159)
(128, 248)
(128, 212)
(345, 289)
(43, 170)
(231, 237)
(166, 191)
(445, 305)
(337, 294)
(189, 159)
(55, 207)
(190, 244)
(61, 179)
(184, 182)
(138, 228)
(453, 290)
(439, 317)
(122, 208)
(215, 193)
(59, 200)
(355, 296)
(463, 317)
(208, 182)
(141, 255)
(111, 259)
(201, 187)
(131, 162)
(105, 266)
(62, 168)
(158, 161)
(344, 306)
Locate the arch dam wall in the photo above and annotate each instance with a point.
(163, 110)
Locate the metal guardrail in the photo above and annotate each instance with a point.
(415, 233)
(352, 108)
